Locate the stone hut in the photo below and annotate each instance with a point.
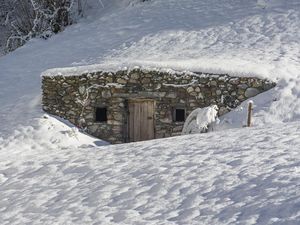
(135, 105)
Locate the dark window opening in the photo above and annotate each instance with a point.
(101, 114)
(179, 115)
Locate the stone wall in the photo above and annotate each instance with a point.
(75, 97)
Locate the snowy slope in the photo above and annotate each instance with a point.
(52, 174)
(195, 35)
(248, 176)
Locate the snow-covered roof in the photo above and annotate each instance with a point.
(183, 69)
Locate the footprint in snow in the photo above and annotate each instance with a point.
(3, 178)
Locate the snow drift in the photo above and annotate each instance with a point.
(241, 176)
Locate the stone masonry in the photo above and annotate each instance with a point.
(75, 98)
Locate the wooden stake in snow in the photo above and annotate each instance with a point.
(250, 109)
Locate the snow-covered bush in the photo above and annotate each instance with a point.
(32, 18)
(199, 120)
(26, 19)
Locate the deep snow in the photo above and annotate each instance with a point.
(52, 174)
(240, 176)
(214, 36)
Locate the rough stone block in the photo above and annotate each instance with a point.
(251, 92)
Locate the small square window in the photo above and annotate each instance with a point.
(179, 115)
(101, 114)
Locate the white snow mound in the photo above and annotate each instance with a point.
(239, 176)
(50, 173)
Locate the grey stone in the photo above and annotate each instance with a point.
(146, 80)
(171, 95)
(135, 76)
(243, 86)
(213, 83)
(89, 116)
(190, 89)
(158, 86)
(109, 79)
(197, 89)
(250, 92)
(106, 94)
(133, 81)
(121, 81)
(218, 92)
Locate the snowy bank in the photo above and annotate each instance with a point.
(241, 176)
(238, 176)
(216, 36)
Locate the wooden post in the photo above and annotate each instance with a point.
(250, 109)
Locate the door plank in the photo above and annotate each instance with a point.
(136, 119)
(131, 122)
(150, 108)
(141, 120)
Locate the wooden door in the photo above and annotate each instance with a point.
(141, 119)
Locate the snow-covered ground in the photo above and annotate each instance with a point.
(240, 38)
(240, 176)
(52, 174)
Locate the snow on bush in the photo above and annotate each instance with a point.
(199, 120)
(26, 19)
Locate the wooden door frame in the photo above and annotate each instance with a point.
(137, 100)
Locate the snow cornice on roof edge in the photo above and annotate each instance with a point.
(113, 68)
